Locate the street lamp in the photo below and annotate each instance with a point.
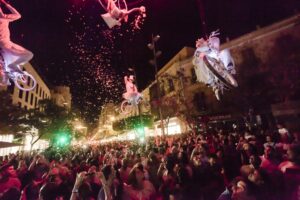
(153, 62)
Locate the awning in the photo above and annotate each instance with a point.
(8, 144)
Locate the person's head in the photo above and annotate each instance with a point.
(214, 43)
(201, 42)
(212, 160)
(183, 176)
(131, 78)
(38, 172)
(8, 170)
(296, 136)
(280, 125)
(174, 150)
(85, 191)
(136, 176)
(269, 152)
(108, 171)
(293, 154)
(240, 189)
(32, 191)
(22, 164)
(49, 192)
(255, 161)
(256, 177)
(268, 138)
(170, 163)
(220, 153)
(183, 158)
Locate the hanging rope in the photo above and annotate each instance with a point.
(102, 5)
(202, 17)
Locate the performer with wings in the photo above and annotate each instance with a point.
(115, 14)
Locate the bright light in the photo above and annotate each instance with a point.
(150, 46)
(80, 127)
(63, 139)
(142, 140)
(156, 38)
(131, 136)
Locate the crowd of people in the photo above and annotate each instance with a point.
(217, 165)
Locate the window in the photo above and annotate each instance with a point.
(19, 104)
(35, 104)
(20, 94)
(171, 85)
(29, 81)
(26, 96)
(37, 89)
(153, 92)
(31, 99)
(162, 90)
(40, 91)
(194, 77)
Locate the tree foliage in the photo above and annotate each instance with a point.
(11, 116)
(133, 122)
(49, 119)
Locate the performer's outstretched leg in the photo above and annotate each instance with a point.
(22, 56)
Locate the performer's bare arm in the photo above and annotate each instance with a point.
(125, 79)
(110, 5)
(141, 9)
(14, 15)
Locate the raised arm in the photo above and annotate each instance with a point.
(125, 79)
(14, 15)
(110, 5)
(141, 9)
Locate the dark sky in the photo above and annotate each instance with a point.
(73, 46)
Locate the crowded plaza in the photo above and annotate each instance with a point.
(149, 100)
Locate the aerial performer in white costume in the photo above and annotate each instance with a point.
(116, 15)
(132, 94)
(212, 66)
(13, 55)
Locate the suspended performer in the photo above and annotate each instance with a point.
(116, 15)
(213, 66)
(132, 94)
(14, 55)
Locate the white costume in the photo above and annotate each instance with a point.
(131, 90)
(13, 54)
(211, 49)
(115, 15)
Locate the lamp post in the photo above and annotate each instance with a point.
(153, 62)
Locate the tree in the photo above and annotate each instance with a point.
(50, 119)
(177, 104)
(11, 116)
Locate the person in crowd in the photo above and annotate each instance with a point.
(8, 179)
(138, 187)
(192, 165)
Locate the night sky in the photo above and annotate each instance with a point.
(73, 46)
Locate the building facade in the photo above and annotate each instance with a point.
(29, 99)
(268, 73)
(62, 97)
